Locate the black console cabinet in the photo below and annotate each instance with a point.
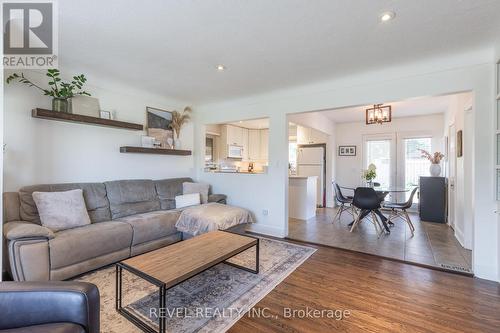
(433, 199)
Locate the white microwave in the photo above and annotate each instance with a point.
(235, 151)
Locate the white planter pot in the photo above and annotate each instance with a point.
(435, 170)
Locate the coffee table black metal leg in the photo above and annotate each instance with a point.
(161, 310)
(129, 315)
(256, 270)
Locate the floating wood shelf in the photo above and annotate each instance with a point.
(81, 119)
(159, 151)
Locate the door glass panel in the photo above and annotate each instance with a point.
(378, 152)
(415, 165)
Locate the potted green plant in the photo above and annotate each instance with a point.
(178, 120)
(370, 174)
(59, 90)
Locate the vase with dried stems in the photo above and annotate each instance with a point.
(435, 159)
(179, 119)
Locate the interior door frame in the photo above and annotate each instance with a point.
(452, 140)
(320, 145)
(393, 152)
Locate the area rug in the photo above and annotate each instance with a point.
(212, 301)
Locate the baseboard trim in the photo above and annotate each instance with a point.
(459, 235)
(267, 230)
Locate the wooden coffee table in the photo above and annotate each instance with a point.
(173, 264)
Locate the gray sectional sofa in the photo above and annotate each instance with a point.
(129, 217)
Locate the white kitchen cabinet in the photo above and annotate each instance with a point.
(264, 144)
(244, 138)
(302, 135)
(253, 144)
(306, 135)
(234, 135)
(317, 136)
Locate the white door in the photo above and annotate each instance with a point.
(452, 155)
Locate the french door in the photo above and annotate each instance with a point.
(399, 160)
(380, 150)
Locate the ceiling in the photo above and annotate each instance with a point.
(172, 47)
(413, 107)
(253, 124)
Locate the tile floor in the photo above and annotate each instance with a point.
(433, 243)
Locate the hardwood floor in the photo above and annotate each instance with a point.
(381, 296)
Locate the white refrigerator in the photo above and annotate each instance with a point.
(311, 162)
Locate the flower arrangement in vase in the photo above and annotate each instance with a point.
(178, 120)
(370, 174)
(435, 159)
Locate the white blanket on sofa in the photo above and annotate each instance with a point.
(200, 219)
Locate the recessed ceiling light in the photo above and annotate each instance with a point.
(220, 68)
(387, 16)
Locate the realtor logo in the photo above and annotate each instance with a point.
(29, 34)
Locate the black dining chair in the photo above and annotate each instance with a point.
(398, 209)
(345, 203)
(368, 203)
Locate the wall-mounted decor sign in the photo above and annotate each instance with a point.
(347, 150)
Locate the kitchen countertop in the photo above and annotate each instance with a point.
(301, 177)
(238, 172)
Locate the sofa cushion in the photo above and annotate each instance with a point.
(187, 200)
(151, 226)
(168, 189)
(79, 244)
(129, 197)
(94, 194)
(201, 188)
(61, 210)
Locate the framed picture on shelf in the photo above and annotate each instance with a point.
(347, 151)
(158, 126)
(105, 114)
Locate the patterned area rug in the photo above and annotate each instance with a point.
(212, 301)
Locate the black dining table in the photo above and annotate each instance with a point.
(382, 192)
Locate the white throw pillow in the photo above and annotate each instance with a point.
(61, 210)
(188, 188)
(186, 200)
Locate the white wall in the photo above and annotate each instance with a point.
(459, 114)
(349, 168)
(321, 123)
(465, 72)
(42, 151)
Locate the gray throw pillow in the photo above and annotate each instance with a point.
(188, 188)
(61, 210)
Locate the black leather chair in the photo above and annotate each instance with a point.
(52, 307)
(367, 201)
(345, 203)
(399, 210)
